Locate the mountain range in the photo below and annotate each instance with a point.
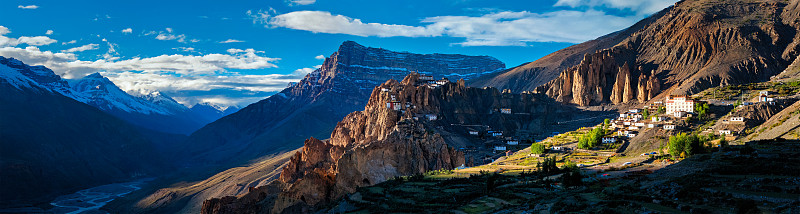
(153, 110)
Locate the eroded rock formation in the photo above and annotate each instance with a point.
(689, 47)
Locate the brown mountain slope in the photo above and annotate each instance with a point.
(528, 76)
(785, 124)
(695, 45)
(189, 197)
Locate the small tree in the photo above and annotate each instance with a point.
(702, 110)
(548, 165)
(662, 110)
(722, 141)
(646, 114)
(572, 175)
(537, 148)
(684, 145)
(591, 139)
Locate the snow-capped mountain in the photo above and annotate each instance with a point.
(105, 95)
(211, 112)
(20, 75)
(153, 110)
(162, 100)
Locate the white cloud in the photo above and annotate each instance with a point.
(641, 7)
(49, 32)
(70, 42)
(32, 41)
(300, 2)
(185, 49)
(493, 29)
(238, 89)
(82, 48)
(231, 41)
(175, 73)
(31, 7)
(303, 71)
(36, 40)
(325, 22)
(166, 36)
(127, 30)
(320, 57)
(68, 65)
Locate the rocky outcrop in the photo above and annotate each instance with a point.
(689, 47)
(378, 143)
(602, 77)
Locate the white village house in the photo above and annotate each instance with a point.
(431, 116)
(680, 104)
(394, 105)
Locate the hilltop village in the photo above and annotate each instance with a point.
(637, 159)
(662, 118)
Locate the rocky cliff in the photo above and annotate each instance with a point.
(687, 48)
(378, 143)
(312, 106)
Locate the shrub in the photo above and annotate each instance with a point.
(548, 165)
(591, 138)
(684, 145)
(537, 148)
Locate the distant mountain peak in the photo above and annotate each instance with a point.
(218, 107)
(95, 75)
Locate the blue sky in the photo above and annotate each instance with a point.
(237, 52)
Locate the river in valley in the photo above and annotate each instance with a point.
(90, 200)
